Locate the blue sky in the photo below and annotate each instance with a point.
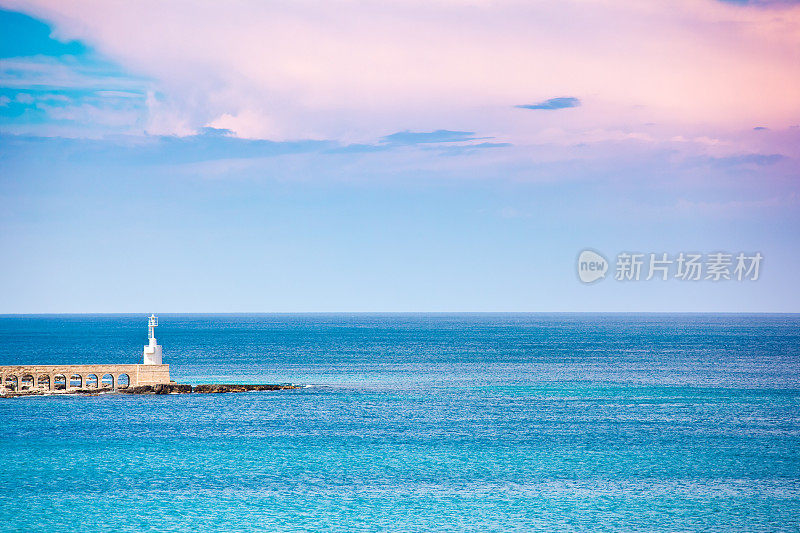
(138, 175)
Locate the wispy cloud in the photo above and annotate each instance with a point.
(752, 159)
(448, 142)
(420, 137)
(553, 103)
(737, 160)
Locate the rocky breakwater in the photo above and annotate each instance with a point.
(166, 388)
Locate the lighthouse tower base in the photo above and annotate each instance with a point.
(152, 353)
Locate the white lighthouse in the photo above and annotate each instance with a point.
(152, 352)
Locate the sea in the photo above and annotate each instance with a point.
(413, 422)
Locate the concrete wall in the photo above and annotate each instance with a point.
(137, 374)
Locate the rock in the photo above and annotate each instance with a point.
(166, 388)
(87, 391)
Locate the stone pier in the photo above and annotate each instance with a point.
(51, 377)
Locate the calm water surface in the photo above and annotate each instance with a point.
(414, 423)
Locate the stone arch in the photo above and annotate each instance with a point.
(59, 382)
(123, 381)
(73, 379)
(26, 382)
(107, 380)
(12, 382)
(43, 381)
(91, 381)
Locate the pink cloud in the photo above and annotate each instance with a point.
(358, 70)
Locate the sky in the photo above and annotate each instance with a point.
(395, 156)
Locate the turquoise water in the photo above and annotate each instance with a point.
(414, 423)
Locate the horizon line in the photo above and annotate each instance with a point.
(233, 313)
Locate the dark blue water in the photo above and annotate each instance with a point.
(414, 423)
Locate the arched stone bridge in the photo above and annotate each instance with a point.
(54, 377)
